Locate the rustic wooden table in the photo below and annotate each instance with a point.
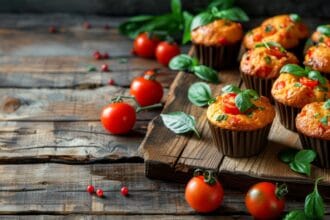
(52, 144)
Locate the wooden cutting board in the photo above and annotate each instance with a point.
(174, 157)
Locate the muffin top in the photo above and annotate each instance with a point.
(318, 58)
(322, 34)
(297, 86)
(313, 120)
(286, 30)
(266, 60)
(218, 32)
(241, 110)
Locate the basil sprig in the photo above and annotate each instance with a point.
(270, 44)
(184, 62)
(206, 17)
(324, 29)
(243, 99)
(295, 17)
(313, 208)
(294, 69)
(299, 161)
(326, 104)
(180, 122)
(200, 94)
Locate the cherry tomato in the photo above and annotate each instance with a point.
(124, 191)
(274, 51)
(165, 51)
(145, 46)
(263, 71)
(118, 117)
(265, 201)
(257, 37)
(223, 41)
(229, 104)
(202, 196)
(99, 193)
(279, 85)
(308, 82)
(146, 90)
(90, 189)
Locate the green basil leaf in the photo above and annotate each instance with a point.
(233, 14)
(221, 4)
(295, 17)
(305, 156)
(252, 93)
(231, 89)
(270, 44)
(206, 73)
(287, 155)
(326, 104)
(324, 29)
(222, 117)
(180, 122)
(324, 120)
(295, 215)
(293, 69)
(131, 28)
(201, 19)
(195, 61)
(199, 94)
(299, 167)
(243, 102)
(316, 75)
(176, 7)
(314, 205)
(308, 44)
(212, 100)
(187, 19)
(181, 62)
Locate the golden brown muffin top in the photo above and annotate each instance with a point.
(266, 62)
(322, 35)
(297, 91)
(318, 58)
(314, 120)
(218, 32)
(283, 29)
(224, 112)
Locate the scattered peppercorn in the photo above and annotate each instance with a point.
(97, 55)
(111, 82)
(99, 193)
(105, 56)
(124, 191)
(90, 189)
(87, 25)
(105, 68)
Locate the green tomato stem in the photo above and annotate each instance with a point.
(281, 190)
(138, 106)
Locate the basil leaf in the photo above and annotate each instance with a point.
(314, 206)
(305, 156)
(316, 75)
(300, 167)
(326, 104)
(233, 14)
(252, 93)
(308, 44)
(295, 17)
(231, 89)
(295, 215)
(187, 19)
(181, 62)
(180, 122)
(243, 102)
(293, 69)
(201, 19)
(324, 29)
(222, 117)
(199, 94)
(270, 44)
(287, 155)
(206, 73)
(176, 7)
(131, 28)
(324, 120)
(221, 4)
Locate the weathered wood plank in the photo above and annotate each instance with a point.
(121, 217)
(72, 72)
(60, 189)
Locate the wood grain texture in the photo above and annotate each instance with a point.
(122, 217)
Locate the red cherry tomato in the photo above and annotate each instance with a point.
(274, 51)
(90, 189)
(166, 51)
(99, 193)
(308, 82)
(279, 85)
(144, 46)
(202, 196)
(146, 90)
(262, 201)
(124, 191)
(118, 118)
(229, 105)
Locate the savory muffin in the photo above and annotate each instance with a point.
(296, 87)
(240, 121)
(313, 125)
(318, 58)
(217, 43)
(322, 35)
(261, 65)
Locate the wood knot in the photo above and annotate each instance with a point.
(10, 104)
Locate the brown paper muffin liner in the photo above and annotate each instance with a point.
(321, 147)
(217, 57)
(287, 115)
(239, 143)
(262, 85)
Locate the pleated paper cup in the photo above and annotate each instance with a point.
(240, 144)
(288, 115)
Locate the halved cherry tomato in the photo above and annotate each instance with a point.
(263, 71)
(257, 37)
(229, 104)
(308, 82)
(279, 85)
(165, 51)
(265, 200)
(274, 51)
(118, 117)
(145, 45)
(202, 196)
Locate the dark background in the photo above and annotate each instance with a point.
(255, 8)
